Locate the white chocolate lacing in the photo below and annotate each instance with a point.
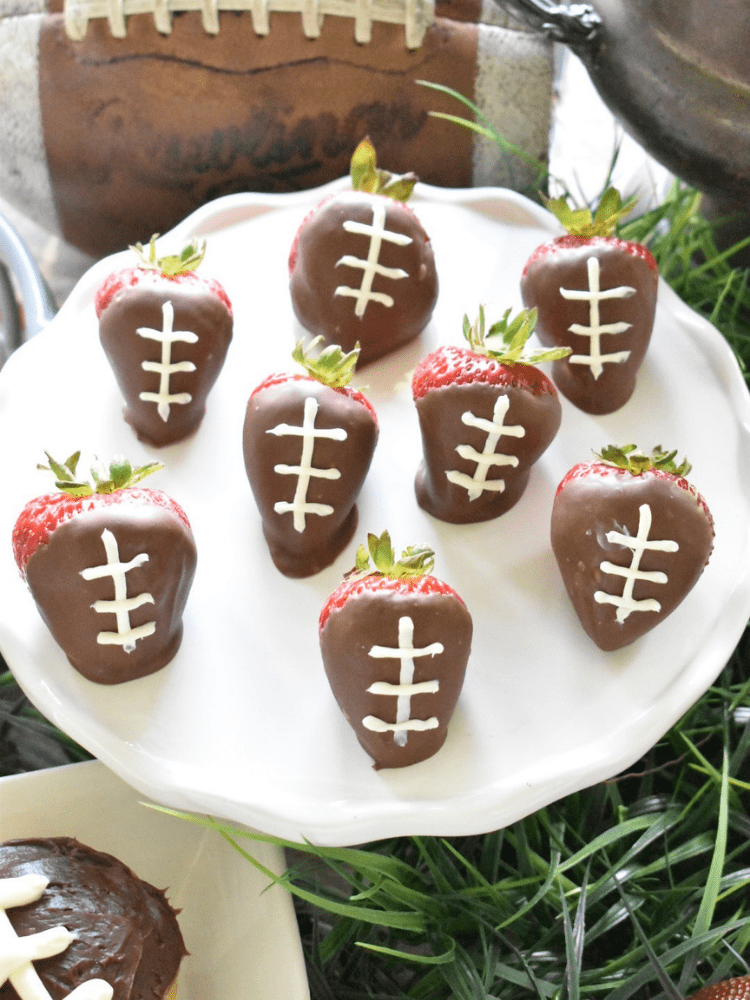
(371, 266)
(638, 544)
(308, 433)
(17, 954)
(126, 635)
(415, 15)
(406, 688)
(487, 458)
(595, 330)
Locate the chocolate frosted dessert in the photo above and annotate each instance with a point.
(486, 414)
(395, 642)
(110, 567)
(165, 330)
(308, 442)
(631, 537)
(108, 934)
(595, 294)
(362, 269)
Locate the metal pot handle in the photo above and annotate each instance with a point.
(576, 25)
(38, 303)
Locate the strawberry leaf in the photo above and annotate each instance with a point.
(416, 560)
(119, 476)
(189, 259)
(362, 563)
(64, 471)
(363, 165)
(631, 458)
(142, 471)
(400, 187)
(580, 222)
(332, 366)
(381, 552)
(367, 176)
(75, 489)
(120, 471)
(513, 334)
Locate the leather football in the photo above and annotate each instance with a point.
(115, 125)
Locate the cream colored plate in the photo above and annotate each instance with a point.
(242, 724)
(242, 935)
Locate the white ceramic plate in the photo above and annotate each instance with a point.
(242, 935)
(242, 723)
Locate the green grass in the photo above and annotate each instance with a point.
(637, 887)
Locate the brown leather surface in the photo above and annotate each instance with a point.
(141, 130)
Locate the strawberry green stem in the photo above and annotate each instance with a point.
(631, 458)
(332, 366)
(415, 561)
(119, 476)
(173, 264)
(367, 176)
(513, 334)
(580, 221)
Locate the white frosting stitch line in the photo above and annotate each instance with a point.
(626, 603)
(18, 953)
(166, 367)
(406, 687)
(122, 605)
(487, 458)
(595, 330)
(299, 506)
(370, 267)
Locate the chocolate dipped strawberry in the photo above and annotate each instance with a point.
(361, 267)
(631, 536)
(165, 330)
(486, 414)
(110, 566)
(596, 294)
(395, 643)
(308, 442)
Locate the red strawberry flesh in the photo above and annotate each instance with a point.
(364, 627)
(461, 366)
(280, 378)
(375, 582)
(586, 469)
(629, 547)
(570, 242)
(134, 276)
(42, 515)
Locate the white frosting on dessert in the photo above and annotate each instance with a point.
(125, 636)
(495, 428)
(596, 329)
(406, 688)
(371, 266)
(300, 507)
(166, 367)
(638, 544)
(17, 954)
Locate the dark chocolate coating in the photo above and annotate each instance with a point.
(65, 598)
(295, 553)
(125, 930)
(440, 412)
(567, 268)
(368, 619)
(323, 242)
(196, 310)
(585, 510)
